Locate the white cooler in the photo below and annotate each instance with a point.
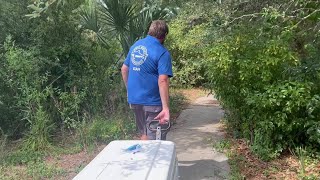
(156, 160)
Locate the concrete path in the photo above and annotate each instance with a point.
(197, 129)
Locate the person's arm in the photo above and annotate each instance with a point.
(165, 72)
(164, 90)
(125, 69)
(125, 72)
(164, 115)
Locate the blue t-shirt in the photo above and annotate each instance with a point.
(147, 59)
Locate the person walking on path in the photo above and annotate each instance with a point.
(146, 72)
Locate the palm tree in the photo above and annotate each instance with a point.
(125, 20)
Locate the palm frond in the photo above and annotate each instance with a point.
(125, 20)
(90, 21)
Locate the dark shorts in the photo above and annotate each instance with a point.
(145, 114)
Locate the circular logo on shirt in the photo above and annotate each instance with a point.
(139, 55)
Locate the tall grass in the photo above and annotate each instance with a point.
(3, 142)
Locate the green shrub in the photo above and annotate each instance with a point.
(187, 42)
(23, 156)
(266, 74)
(177, 101)
(105, 130)
(61, 78)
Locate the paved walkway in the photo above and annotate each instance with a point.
(197, 129)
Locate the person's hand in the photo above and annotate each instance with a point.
(163, 116)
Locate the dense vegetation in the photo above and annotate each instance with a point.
(261, 58)
(59, 70)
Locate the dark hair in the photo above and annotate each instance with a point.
(158, 29)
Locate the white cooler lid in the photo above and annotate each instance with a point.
(155, 161)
